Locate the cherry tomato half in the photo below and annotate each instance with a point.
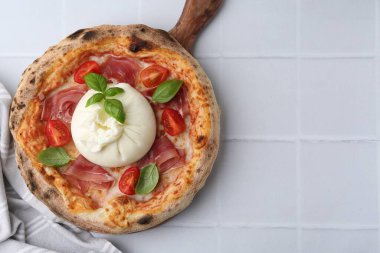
(57, 133)
(173, 122)
(84, 69)
(153, 75)
(128, 180)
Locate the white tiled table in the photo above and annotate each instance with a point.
(298, 84)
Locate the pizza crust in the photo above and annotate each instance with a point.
(135, 40)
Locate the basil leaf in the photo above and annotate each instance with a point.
(96, 82)
(113, 91)
(166, 91)
(55, 157)
(97, 97)
(148, 179)
(115, 109)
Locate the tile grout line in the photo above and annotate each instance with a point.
(313, 139)
(298, 122)
(321, 56)
(377, 90)
(275, 225)
(219, 195)
(312, 226)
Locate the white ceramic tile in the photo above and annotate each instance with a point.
(258, 240)
(339, 26)
(11, 70)
(212, 67)
(258, 97)
(259, 27)
(253, 183)
(209, 41)
(163, 14)
(337, 97)
(163, 239)
(339, 183)
(203, 210)
(257, 182)
(29, 27)
(88, 13)
(338, 241)
(160, 16)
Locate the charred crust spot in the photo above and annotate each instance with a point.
(30, 175)
(50, 193)
(142, 29)
(200, 138)
(90, 35)
(18, 167)
(138, 44)
(36, 60)
(112, 32)
(46, 64)
(198, 170)
(165, 34)
(76, 34)
(145, 220)
(20, 106)
(33, 80)
(32, 184)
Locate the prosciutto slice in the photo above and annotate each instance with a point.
(84, 175)
(61, 105)
(164, 154)
(122, 69)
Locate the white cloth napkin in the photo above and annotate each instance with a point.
(27, 225)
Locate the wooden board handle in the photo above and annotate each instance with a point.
(195, 15)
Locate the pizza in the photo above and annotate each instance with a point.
(116, 128)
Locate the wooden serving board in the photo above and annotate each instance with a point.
(195, 16)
